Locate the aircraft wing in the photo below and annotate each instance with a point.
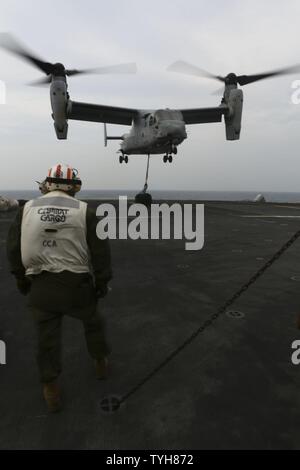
(202, 115)
(100, 113)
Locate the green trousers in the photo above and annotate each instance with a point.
(51, 297)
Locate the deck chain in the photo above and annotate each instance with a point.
(207, 323)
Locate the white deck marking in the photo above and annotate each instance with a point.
(291, 207)
(271, 216)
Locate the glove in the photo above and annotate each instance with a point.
(24, 285)
(101, 291)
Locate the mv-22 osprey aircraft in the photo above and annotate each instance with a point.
(152, 131)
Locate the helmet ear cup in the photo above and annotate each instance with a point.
(77, 188)
(42, 187)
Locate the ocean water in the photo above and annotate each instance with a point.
(170, 195)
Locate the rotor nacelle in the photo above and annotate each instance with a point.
(59, 102)
(233, 120)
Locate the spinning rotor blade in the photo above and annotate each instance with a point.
(218, 92)
(41, 82)
(8, 42)
(188, 69)
(247, 79)
(232, 78)
(128, 68)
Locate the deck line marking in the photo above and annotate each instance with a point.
(271, 216)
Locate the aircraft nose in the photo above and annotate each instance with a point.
(177, 129)
(173, 129)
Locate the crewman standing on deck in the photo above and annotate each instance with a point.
(60, 262)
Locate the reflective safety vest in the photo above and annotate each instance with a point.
(53, 234)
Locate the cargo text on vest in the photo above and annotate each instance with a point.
(52, 214)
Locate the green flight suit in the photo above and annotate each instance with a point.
(53, 295)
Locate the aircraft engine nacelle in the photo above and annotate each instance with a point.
(233, 120)
(59, 101)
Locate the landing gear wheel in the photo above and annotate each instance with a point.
(126, 159)
(174, 150)
(170, 158)
(121, 158)
(165, 159)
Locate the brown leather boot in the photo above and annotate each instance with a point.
(101, 366)
(51, 394)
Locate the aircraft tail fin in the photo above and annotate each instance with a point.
(106, 137)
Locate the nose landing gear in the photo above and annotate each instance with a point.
(168, 157)
(123, 158)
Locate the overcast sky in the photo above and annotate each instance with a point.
(246, 36)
